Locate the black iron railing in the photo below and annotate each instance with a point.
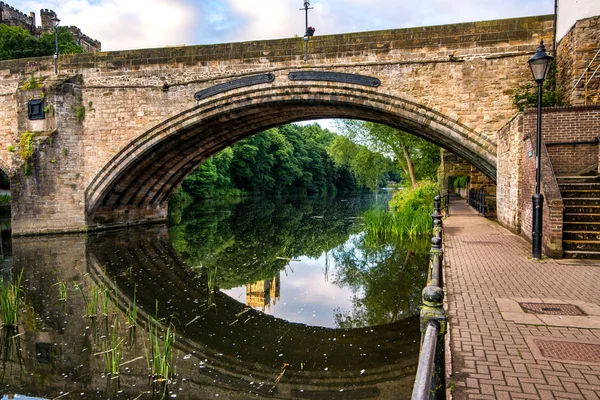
(430, 382)
(476, 200)
(445, 200)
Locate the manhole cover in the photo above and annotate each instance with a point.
(569, 351)
(552, 309)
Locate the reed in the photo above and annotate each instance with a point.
(91, 303)
(62, 291)
(410, 214)
(159, 356)
(111, 350)
(10, 302)
(132, 310)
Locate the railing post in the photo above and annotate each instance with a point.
(436, 257)
(433, 309)
(436, 217)
(447, 202)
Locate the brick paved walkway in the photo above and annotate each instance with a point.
(494, 357)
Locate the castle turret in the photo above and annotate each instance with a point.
(47, 24)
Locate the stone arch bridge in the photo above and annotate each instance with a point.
(121, 130)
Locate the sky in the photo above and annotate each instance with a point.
(135, 24)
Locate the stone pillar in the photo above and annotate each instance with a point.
(47, 185)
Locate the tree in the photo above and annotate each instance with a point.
(416, 157)
(369, 168)
(16, 42)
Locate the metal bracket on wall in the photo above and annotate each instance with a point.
(235, 84)
(334, 77)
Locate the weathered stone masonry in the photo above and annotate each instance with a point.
(143, 132)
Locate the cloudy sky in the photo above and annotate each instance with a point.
(132, 24)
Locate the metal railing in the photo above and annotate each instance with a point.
(430, 382)
(589, 67)
(476, 199)
(445, 200)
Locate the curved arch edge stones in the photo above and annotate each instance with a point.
(134, 186)
(234, 84)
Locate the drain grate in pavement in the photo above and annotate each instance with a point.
(569, 351)
(552, 309)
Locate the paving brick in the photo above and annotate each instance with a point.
(485, 263)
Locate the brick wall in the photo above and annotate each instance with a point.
(571, 136)
(553, 206)
(573, 159)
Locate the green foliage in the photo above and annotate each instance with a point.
(287, 159)
(5, 198)
(525, 96)
(423, 155)
(410, 215)
(254, 239)
(370, 169)
(385, 276)
(80, 113)
(10, 301)
(458, 182)
(16, 43)
(160, 357)
(11, 148)
(32, 83)
(419, 199)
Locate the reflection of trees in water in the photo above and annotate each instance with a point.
(254, 240)
(386, 278)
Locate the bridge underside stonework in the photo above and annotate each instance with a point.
(122, 130)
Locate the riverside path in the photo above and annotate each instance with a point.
(519, 328)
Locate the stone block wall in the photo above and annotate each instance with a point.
(12, 17)
(478, 181)
(573, 51)
(52, 185)
(435, 82)
(452, 166)
(508, 190)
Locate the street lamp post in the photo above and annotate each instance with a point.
(540, 64)
(307, 32)
(55, 22)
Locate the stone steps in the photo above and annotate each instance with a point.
(581, 217)
(590, 255)
(581, 222)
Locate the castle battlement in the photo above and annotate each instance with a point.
(14, 10)
(12, 17)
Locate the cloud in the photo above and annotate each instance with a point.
(130, 24)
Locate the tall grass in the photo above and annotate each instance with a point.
(160, 357)
(111, 349)
(10, 302)
(410, 214)
(91, 304)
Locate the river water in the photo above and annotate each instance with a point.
(254, 298)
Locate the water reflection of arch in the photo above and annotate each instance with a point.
(240, 343)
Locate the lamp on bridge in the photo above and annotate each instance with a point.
(540, 65)
(55, 22)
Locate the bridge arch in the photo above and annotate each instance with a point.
(136, 184)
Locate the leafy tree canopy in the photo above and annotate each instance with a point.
(16, 42)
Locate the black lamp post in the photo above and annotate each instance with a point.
(55, 22)
(307, 32)
(540, 65)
